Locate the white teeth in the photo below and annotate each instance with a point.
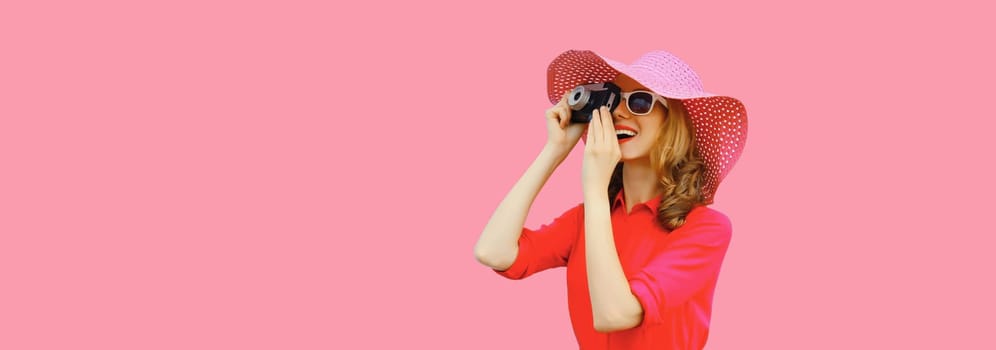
(625, 132)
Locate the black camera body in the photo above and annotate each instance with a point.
(586, 98)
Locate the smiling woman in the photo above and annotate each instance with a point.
(643, 251)
(642, 129)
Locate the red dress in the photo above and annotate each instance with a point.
(672, 274)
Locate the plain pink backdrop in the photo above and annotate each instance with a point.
(314, 175)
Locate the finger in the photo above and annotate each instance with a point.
(565, 117)
(591, 133)
(554, 115)
(551, 118)
(609, 130)
(596, 119)
(563, 99)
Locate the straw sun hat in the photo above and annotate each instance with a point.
(720, 122)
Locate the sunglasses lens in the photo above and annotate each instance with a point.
(640, 102)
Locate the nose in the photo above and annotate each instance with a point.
(620, 112)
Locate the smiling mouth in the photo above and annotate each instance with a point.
(623, 134)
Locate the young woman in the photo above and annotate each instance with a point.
(643, 251)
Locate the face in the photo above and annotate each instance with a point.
(646, 127)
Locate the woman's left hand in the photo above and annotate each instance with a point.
(601, 152)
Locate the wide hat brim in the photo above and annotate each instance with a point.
(720, 122)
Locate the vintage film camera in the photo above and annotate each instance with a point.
(586, 98)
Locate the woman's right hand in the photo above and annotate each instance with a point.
(562, 135)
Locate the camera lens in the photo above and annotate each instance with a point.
(578, 98)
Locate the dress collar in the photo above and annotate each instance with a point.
(651, 204)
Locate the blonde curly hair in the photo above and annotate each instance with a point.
(678, 166)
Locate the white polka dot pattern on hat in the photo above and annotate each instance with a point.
(720, 122)
(575, 68)
(720, 125)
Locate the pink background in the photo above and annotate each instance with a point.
(291, 175)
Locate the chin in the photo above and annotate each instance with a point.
(626, 158)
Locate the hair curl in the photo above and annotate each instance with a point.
(678, 166)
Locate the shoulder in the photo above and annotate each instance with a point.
(706, 223)
(577, 209)
(575, 212)
(705, 214)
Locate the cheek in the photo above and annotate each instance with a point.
(655, 130)
(651, 139)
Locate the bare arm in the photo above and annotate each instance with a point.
(614, 307)
(498, 246)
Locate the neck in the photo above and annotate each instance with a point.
(640, 181)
